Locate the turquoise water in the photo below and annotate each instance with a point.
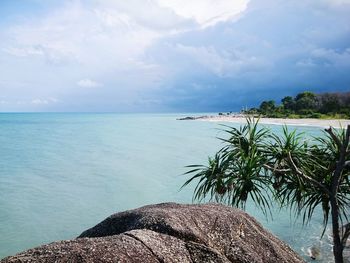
(63, 173)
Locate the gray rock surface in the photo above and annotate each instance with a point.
(169, 233)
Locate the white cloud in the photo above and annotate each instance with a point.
(115, 30)
(104, 38)
(144, 49)
(206, 12)
(23, 52)
(88, 83)
(81, 34)
(38, 101)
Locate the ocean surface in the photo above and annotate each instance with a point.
(63, 173)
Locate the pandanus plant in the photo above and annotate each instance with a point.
(290, 169)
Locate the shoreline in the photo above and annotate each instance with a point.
(322, 123)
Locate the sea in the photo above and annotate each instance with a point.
(62, 173)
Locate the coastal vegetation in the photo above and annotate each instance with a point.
(306, 105)
(292, 170)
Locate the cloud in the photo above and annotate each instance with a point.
(206, 12)
(332, 56)
(277, 48)
(172, 54)
(326, 57)
(112, 29)
(80, 34)
(88, 83)
(222, 63)
(38, 101)
(24, 52)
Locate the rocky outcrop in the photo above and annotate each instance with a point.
(169, 233)
(188, 118)
(192, 118)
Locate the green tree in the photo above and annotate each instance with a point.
(258, 165)
(329, 103)
(267, 107)
(288, 103)
(306, 101)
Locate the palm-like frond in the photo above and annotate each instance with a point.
(211, 178)
(255, 164)
(300, 175)
(236, 172)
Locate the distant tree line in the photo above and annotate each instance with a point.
(307, 105)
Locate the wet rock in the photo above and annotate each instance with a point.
(187, 118)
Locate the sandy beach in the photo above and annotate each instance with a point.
(278, 121)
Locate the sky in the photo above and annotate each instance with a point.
(169, 55)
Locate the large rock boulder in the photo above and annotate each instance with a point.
(169, 233)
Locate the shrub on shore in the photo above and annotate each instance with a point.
(307, 105)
